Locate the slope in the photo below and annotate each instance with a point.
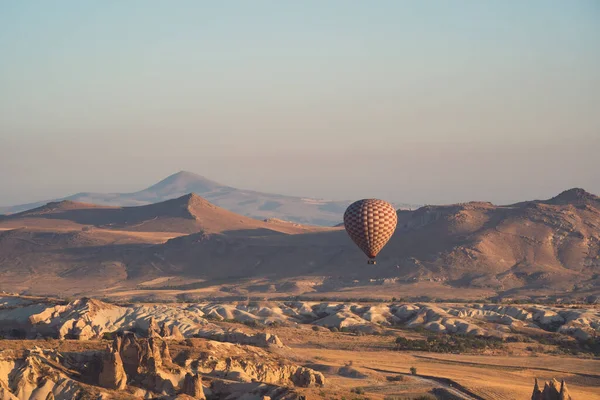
(536, 248)
(187, 214)
(245, 202)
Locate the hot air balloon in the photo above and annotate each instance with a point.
(370, 223)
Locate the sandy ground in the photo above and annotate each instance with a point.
(491, 377)
(494, 377)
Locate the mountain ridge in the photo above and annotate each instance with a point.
(249, 203)
(187, 214)
(524, 249)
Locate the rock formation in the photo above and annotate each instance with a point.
(537, 393)
(170, 332)
(262, 339)
(113, 374)
(153, 330)
(192, 386)
(305, 377)
(251, 364)
(552, 391)
(176, 333)
(93, 319)
(131, 354)
(165, 355)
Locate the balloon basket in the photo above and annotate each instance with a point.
(372, 262)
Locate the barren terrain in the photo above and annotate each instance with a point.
(532, 251)
(292, 349)
(245, 202)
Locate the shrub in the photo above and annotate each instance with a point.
(413, 370)
(358, 390)
(253, 324)
(315, 328)
(449, 343)
(395, 378)
(109, 335)
(17, 334)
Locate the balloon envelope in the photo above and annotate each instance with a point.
(370, 223)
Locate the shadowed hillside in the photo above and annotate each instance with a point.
(245, 202)
(550, 248)
(187, 214)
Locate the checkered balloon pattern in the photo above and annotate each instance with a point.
(370, 223)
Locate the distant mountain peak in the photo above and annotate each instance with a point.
(186, 175)
(251, 203)
(183, 182)
(188, 200)
(574, 196)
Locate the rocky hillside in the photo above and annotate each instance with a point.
(134, 367)
(187, 214)
(548, 248)
(86, 319)
(544, 246)
(293, 350)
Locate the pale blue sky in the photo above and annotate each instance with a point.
(422, 101)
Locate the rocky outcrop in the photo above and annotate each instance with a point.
(262, 339)
(192, 386)
(142, 365)
(564, 392)
(91, 319)
(33, 376)
(165, 355)
(140, 355)
(113, 374)
(306, 377)
(5, 393)
(246, 364)
(252, 391)
(552, 391)
(131, 354)
(171, 332)
(153, 329)
(86, 318)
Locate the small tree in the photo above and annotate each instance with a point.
(413, 370)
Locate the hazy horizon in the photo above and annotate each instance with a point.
(424, 102)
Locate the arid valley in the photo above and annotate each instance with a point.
(185, 298)
(293, 350)
(300, 200)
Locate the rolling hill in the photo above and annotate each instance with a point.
(186, 214)
(535, 248)
(245, 202)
